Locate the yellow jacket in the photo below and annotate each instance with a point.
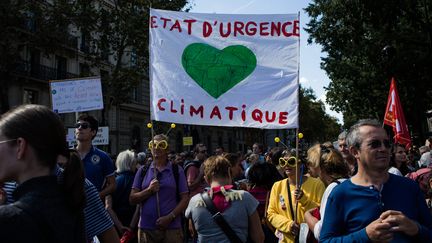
(279, 212)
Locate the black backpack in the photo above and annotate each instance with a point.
(189, 163)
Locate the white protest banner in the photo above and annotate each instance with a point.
(76, 95)
(102, 137)
(224, 70)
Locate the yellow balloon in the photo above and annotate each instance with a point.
(277, 139)
(173, 125)
(149, 125)
(300, 135)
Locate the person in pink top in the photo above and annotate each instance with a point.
(194, 171)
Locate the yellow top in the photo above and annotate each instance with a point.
(279, 212)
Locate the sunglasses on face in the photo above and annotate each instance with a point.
(290, 162)
(374, 144)
(163, 144)
(83, 125)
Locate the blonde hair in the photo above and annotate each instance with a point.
(314, 153)
(126, 161)
(314, 156)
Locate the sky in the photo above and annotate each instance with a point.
(311, 75)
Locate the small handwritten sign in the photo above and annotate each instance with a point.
(76, 95)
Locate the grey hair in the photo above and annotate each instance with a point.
(353, 137)
(342, 135)
(125, 161)
(140, 157)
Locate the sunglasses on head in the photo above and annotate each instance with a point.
(163, 144)
(374, 144)
(324, 150)
(83, 125)
(290, 162)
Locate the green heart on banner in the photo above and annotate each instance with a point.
(217, 71)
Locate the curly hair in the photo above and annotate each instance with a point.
(217, 167)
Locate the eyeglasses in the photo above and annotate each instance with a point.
(291, 162)
(83, 125)
(163, 144)
(9, 140)
(374, 144)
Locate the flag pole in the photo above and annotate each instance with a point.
(151, 121)
(154, 169)
(298, 123)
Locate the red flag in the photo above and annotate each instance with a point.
(395, 117)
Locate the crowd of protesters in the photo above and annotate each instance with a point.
(361, 188)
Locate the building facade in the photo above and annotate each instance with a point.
(127, 123)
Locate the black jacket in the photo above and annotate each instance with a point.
(40, 214)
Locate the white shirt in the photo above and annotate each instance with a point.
(328, 190)
(395, 171)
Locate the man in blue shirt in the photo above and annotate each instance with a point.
(374, 205)
(98, 166)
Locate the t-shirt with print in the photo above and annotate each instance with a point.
(97, 166)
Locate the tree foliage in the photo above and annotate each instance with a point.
(315, 123)
(110, 28)
(122, 32)
(33, 25)
(353, 33)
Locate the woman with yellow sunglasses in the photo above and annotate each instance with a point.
(288, 201)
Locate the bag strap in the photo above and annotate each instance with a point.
(174, 168)
(144, 171)
(290, 200)
(266, 204)
(296, 238)
(219, 219)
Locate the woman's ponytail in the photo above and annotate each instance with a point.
(73, 181)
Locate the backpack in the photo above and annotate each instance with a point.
(174, 168)
(194, 163)
(422, 177)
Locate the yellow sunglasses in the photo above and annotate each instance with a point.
(291, 162)
(163, 144)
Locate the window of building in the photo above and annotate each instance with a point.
(35, 68)
(136, 138)
(30, 22)
(61, 67)
(133, 58)
(85, 44)
(84, 70)
(30, 96)
(134, 94)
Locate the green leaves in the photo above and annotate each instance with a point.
(353, 33)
